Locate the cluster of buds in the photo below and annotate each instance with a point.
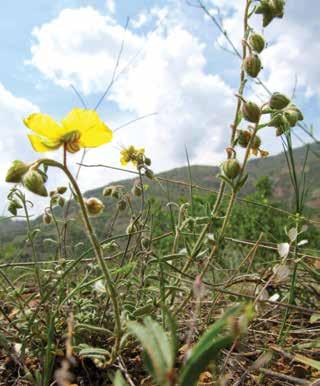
(29, 176)
(94, 206)
(56, 196)
(252, 63)
(270, 9)
(116, 191)
(283, 113)
(244, 138)
(138, 158)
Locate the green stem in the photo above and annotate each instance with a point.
(110, 288)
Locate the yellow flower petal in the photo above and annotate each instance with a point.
(92, 129)
(81, 120)
(41, 145)
(44, 125)
(96, 136)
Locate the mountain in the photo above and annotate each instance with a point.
(275, 167)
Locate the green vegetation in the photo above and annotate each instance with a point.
(196, 276)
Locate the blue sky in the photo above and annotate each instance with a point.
(177, 69)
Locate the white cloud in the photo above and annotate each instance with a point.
(111, 6)
(168, 76)
(80, 47)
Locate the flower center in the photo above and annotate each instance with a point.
(71, 141)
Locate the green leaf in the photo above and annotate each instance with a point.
(119, 380)
(209, 345)
(307, 361)
(158, 354)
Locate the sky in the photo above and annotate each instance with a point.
(175, 69)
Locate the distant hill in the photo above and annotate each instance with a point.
(274, 167)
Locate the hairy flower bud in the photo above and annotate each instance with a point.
(13, 207)
(145, 243)
(147, 161)
(244, 138)
(231, 168)
(94, 206)
(277, 7)
(107, 191)
(33, 181)
(47, 218)
(61, 201)
(257, 42)
(251, 112)
(149, 173)
(137, 189)
(16, 171)
(122, 205)
(61, 189)
(256, 143)
(278, 101)
(252, 65)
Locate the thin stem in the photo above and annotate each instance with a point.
(110, 288)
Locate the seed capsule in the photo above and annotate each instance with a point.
(33, 181)
(251, 112)
(16, 171)
(252, 65)
(257, 42)
(231, 168)
(278, 101)
(94, 206)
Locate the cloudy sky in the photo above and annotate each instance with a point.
(173, 66)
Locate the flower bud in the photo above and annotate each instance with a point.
(149, 173)
(61, 201)
(13, 207)
(293, 115)
(145, 243)
(107, 191)
(137, 190)
(278, 101)
(61, 189)
(231, 168)
(122, 205)
(256, 143)
(47, 218)
(277, 7)
(33, 181)
(251, 112)
(147, 161)
(252, 65)
(244, 138)
(130, 228)
(94, 206)
(257, 42)
(16, 171)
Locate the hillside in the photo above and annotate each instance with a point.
(274, 167)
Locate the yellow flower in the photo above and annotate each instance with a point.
(79, 129)
(131, 154)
